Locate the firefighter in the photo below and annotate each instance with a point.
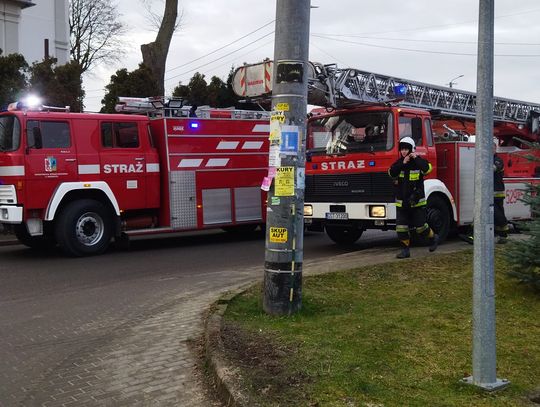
(501, 223)
(408, 175)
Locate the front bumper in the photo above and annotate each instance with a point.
(11, 214)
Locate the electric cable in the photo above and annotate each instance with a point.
(220, 48)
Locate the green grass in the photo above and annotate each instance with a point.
(396, 334)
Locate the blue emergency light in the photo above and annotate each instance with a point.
(400, 90)
(194, 125)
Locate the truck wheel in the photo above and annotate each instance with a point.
(84, 228)
(438, 217)
(34, 242)
(343, 235)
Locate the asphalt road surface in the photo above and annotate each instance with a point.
(118, 329)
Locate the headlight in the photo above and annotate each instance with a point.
(377, 211)
(308, 210)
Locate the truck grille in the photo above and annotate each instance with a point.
(7, 194)
(365, 187)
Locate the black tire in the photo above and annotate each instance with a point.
(84, 228)
(42, 242)
(438, 216)
(343, 235)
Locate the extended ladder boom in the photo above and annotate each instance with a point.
(331, 86)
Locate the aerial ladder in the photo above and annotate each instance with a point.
(334, 88)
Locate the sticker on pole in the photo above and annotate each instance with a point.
(289, 140)
(278, 235)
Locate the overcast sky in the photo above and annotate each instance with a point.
(431, 41)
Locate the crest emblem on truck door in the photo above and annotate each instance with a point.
(50, 164)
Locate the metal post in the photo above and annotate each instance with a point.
(285, 210)
(484, 342)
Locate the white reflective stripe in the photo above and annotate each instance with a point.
(261, 128)
(252, 145)
(190, 162)
(89, 169)
(12, 170)
(217, 162)
(152, 167)
(227, 145)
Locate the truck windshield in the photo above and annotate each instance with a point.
(351, 132)
(10, 133)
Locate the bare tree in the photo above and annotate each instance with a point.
(155, 53)
(95, 32)
(154, 19)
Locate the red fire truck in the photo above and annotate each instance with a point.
(80, 179)
(353, 140)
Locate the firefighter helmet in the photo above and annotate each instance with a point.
(407, 142)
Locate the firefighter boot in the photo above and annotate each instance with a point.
(404, 253)
(433, 242)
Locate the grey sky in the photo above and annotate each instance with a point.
(430, 41)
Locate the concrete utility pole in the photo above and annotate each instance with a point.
(484, 346)
(285, 213)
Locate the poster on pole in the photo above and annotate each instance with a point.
(274, 159)
(284, 185)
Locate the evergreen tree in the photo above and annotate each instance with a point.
(195, 92)
(137, 83)
(524, 254)
(13, 71)
(215, 92)
(230, 98)
(57, 85)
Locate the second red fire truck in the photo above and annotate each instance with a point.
(352, 142)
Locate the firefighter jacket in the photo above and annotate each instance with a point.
(498, 173)
(409, 181)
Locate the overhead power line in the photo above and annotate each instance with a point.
(369, 37)
(221, 57)
(424, 51)
(222, 47)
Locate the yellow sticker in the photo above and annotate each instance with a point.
(278, 235)
(278, 117)
(284, 185)
(275, 131)
(283, 107)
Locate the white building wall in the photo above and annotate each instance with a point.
(10, 13)
(47, 19)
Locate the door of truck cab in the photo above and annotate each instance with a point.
(50, 158)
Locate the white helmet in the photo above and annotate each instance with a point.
(408, 141)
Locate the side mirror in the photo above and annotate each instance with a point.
(534, 118)
(34, 139)
(38, 140)
(416, 128)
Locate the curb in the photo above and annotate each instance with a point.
(214, 353)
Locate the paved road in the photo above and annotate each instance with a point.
(119, 329)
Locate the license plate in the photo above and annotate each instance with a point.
(337, 215)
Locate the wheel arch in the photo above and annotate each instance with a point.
(71, 191)
(435, 187)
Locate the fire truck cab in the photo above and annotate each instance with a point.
(349, 151)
